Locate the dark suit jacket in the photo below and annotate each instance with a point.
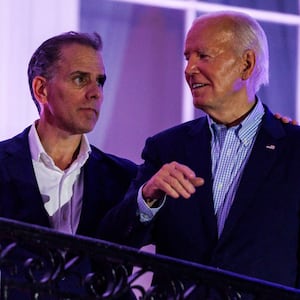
(106, 180)
(261, 233)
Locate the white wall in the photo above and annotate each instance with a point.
(24, 25)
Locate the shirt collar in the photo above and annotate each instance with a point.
(38, 152)
(246, 130)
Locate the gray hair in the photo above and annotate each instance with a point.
(248, 35)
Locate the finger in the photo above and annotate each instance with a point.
(183, 169)
(189, 175)
(277, 115)
(183, 180)
(180, 186)
(197, 181)
(173, 179)
(185, 188)
(285, 119)
(159, 185)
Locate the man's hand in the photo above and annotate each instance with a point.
(174, 180)
(285, 119)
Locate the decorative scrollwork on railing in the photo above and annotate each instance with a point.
(108, 281)
(44, 268)
(174, 290)
(43, 264)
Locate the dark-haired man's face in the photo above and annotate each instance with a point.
(75, 90)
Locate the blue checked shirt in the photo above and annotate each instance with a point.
(230, 150)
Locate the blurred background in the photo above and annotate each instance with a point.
(143, 40)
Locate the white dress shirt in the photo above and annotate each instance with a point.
(61, 190)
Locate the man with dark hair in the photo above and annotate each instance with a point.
(49, 174)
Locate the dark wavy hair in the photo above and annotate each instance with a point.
(44, 59)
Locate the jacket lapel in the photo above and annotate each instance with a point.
(267, 147)
(22, 178)
(94, 179)
(198, 153)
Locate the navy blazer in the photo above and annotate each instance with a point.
(261, 234)
(106, 180)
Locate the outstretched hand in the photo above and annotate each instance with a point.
(174, 180)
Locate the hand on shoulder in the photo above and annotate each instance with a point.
(285, 119)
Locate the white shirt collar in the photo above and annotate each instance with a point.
(38, 152)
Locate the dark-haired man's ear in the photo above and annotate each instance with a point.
(39, 89)
(285, 119)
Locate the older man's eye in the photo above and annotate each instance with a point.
(202, 55)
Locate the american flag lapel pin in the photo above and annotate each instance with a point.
(271, 147)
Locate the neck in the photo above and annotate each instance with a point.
(237, 120)
(62, 148)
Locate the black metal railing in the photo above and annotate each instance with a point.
(40, 263)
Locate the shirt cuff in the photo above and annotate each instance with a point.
(147, 213)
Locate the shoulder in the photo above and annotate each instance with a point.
(279, 129)
(184, 129)
(16, 144)
(285, 135)
(292, 133)
(112, 161)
